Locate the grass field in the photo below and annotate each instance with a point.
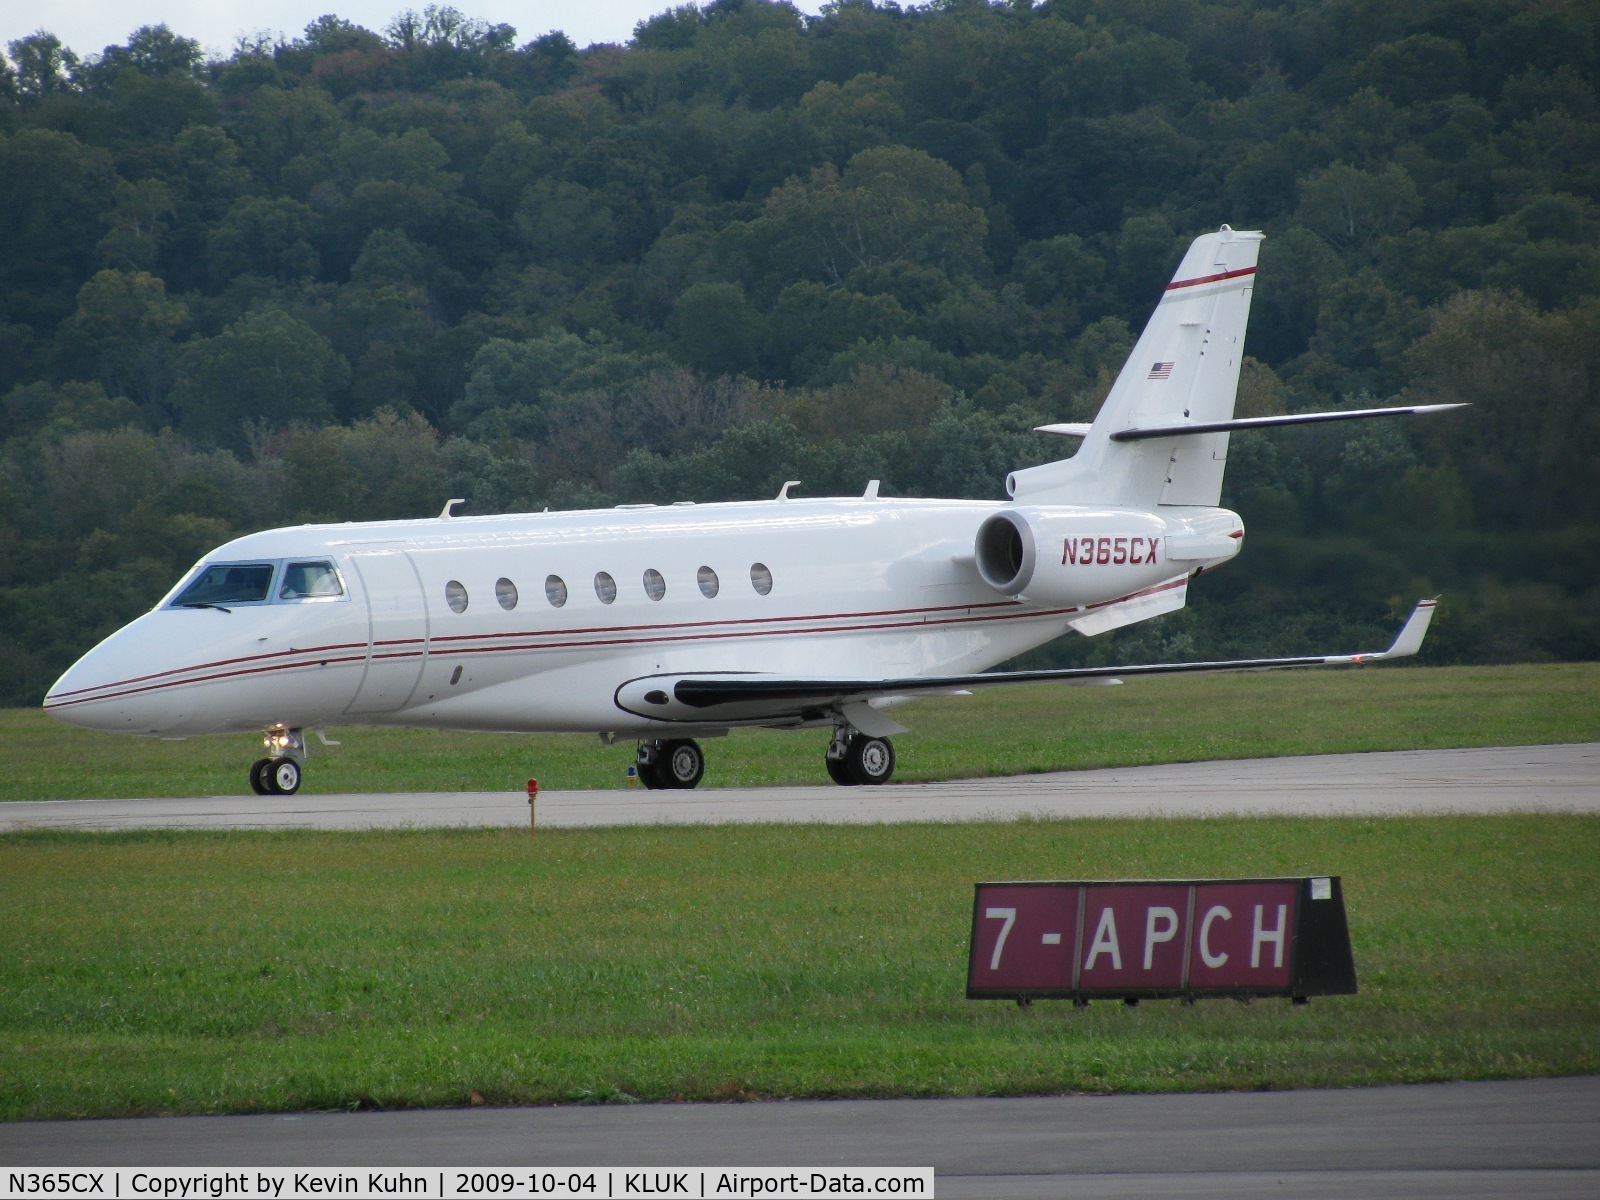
(185, 973)
(998, 732)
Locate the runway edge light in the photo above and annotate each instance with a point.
(1184, 939)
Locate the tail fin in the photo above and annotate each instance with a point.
(1184, 369)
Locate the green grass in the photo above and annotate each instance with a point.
(186, 973)
(997, 732)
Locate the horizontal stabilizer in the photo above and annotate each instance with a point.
(736, 697)
(1198, 427)
(1065, 429)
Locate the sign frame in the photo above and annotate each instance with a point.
(1311, 932)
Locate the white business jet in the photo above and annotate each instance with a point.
(672, 623)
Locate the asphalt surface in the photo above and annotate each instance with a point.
(1528, 1138)
(1496, 779)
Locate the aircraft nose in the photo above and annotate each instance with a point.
(112, 686)
(85, 695)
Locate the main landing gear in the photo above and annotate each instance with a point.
(673, 763)
(853, 758)
(857, 758)
(280, 772)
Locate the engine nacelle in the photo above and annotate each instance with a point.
(1075, 556)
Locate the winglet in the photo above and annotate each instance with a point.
(1409, 639)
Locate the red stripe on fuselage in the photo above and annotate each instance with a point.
(172, 683)
(114, 691)
(55, 700)
(110, 692)
(225, 662)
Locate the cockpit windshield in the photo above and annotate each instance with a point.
(228, 583)
(310, 581)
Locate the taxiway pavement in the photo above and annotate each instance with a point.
(1492, 779)
(1525, 1138)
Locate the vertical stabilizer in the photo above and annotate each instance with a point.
(1184, 368)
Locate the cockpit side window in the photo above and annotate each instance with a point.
(228, 583)
(310, 581)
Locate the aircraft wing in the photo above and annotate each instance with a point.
(713, 698)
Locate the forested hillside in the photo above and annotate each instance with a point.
(356, 273)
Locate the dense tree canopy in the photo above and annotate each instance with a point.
(354, 273)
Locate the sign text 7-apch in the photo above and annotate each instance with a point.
(1159, 939)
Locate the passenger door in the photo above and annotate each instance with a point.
(397, 631)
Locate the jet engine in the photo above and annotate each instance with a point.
(1078, 556)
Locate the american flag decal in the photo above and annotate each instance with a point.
(1161, 371)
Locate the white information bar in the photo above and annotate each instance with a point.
(461, 1183)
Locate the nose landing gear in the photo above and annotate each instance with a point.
(675, 763)
(857, 758)
(280, 772)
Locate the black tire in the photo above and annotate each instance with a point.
(282, 776)
(258, 777)
(648, 777)
(680, 763)
(839, 771)
(870, 759)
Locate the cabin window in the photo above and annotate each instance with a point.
(310, 581)
(707, 579)
(555, 590)
(605, 587)
(228, 583)
(654, 586)
(506, 592)
(455, 596)
(761, 578)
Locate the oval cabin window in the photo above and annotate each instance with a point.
(455, 596)
(761, 578)
(555, 590)
(506, 592)
(605, 587)
(707, 579)
(654, 586)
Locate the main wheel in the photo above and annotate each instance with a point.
(839, 771)
(282, 776)
(680, 763)
(649, 772)
(870, 759)
(258, 777)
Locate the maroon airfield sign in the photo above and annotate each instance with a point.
(1160, 939)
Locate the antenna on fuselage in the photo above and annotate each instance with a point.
(445, 514)
(783, 492)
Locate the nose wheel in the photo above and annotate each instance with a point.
(676, 763)
(279, 774)
(275, 777)
(258, 777)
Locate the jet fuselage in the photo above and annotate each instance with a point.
(559, 610)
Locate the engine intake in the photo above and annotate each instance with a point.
(1005, 552)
